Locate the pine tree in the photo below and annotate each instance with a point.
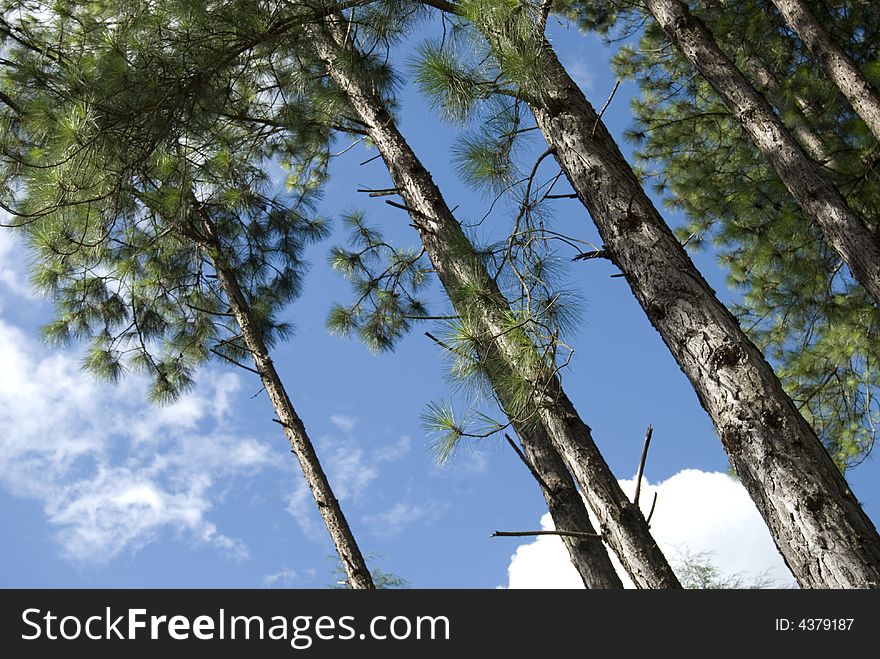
(777, 455)
(139, 181)
(494, 341)
(840, 67)
(857, 245)
(798, 303)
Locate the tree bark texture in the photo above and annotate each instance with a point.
(566, 507)
(758, 71)
(353, 562)
(622, 525)
(820, 201)
(839, 66)
(816, 522)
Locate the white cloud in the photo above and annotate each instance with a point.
(352, 466)
(475, 463)
(394, 451)
(582, 75)
(13, 271)
(285, 578)
(543, 563)
(350, 471)
(111, 471)
(301, 506)
(345, 423)
(395, 519)
(696, 512)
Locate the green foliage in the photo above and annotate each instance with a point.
(139, 166)
(796, 299)
(453, 83)
(439, 419)
(381, 579)
(388, 282)
(487, 158)
(516, 41)
(695, 570)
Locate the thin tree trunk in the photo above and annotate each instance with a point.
(566, 507)
(820, 201)
(622, 525)
(816, 522)
(839, 66)
(350, 554)
(800, 127)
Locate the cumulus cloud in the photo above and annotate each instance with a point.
(698, 513)
(112, 472)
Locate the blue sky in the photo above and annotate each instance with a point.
(98, 488)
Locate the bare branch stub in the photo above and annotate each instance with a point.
(651, 512)
(604, 107)
(642, 460)
(522, 534)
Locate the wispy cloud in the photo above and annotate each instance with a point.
(345, 423)
(112, 472)
(284, 578)
(395, 519)
(352, 467)
(582, 75)
(13, 270)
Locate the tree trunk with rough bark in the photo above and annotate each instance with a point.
(353, 562)
(816, 522)
(797, 113)
(839, 66)
(622, 525)
(566, 507)
(820, 201)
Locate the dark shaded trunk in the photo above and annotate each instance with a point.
(839, 66)
(328, 506)
(820, 201)
(622, 525)
(588, 555)
(816, 522)
(797, 113)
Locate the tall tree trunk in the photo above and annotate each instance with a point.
(797, 114)
(839, 66)
(820, 201)
(797, 488)
(350, 554)
(459, 268)
(816, 522)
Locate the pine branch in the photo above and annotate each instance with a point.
(443, 5)
(232, 361)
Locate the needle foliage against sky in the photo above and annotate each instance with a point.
(100, 489)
